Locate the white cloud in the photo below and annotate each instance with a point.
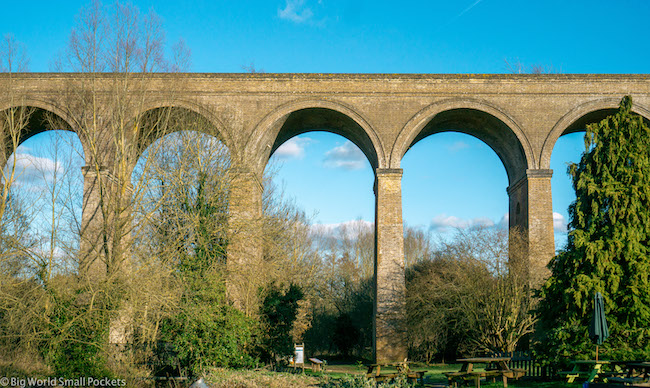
(347, 156)
(504, 222)
(293, 148)
(457, 146)
(443, 223)
(296, 11)
(559, 223)
(30, 168)
(350, 228)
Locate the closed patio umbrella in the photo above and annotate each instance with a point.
(598, 331)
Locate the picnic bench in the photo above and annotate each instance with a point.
(374, 372)
(585, 369)
(317, 365)
(635, 373)
(495, 367)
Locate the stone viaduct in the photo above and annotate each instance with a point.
(519, 116)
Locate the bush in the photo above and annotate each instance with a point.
(209, 336)
(75, 323)
(205, 331)
(278, 313)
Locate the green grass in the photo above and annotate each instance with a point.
(435, 376)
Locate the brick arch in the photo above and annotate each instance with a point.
(473, 117)
(301, 116)
(42, 107)
(587, 112)
(221, 131)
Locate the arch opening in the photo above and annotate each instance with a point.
(459, 179)
(28, 121)
(180, 195)
(328, 120)
(485, 127)
(568, 149)
(41, 222)
(456, 214)
(326, 184)
(159, 122)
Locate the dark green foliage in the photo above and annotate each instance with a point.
(208, 334)
(278, 312)
(193, 221)
(607, 248)
(205, 331)
(77, 351)
(354, 301)
(76, 329)
(346, 334)
(210, 209)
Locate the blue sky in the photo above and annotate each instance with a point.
(460, 36)
(449, 179)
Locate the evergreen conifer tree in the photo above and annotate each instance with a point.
(607, 250)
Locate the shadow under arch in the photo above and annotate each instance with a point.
(474, 118)
(578, 119)
(299, 117)
(159, 119)
(40, 116)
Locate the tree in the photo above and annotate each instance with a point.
(65, 315)
(517, 67)
(278, 313)
(342, 297)
(608, 246)
(183, 228)
(467, 296)
(15, 120)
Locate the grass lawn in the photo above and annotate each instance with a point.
(435, 376)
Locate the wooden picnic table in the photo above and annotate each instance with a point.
(634, 372)
(495, 367)
(374, 371)
(588, 369)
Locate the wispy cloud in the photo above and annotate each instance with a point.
(296, 11)
(559, 223)
(505, 221)
(444, 223)
(467, 9)
(30, 169)
(347, 156)
(457, 146)
(293, 148)
(463, 12)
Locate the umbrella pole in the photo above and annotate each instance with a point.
(596, 353)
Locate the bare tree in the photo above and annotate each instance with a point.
(517, 67)
(14, 120)
(107, 111)
(469, 297)
(250, 68)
